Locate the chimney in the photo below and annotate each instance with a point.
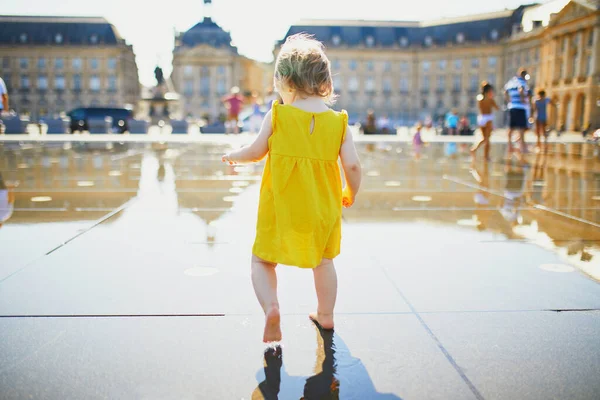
(207, 10)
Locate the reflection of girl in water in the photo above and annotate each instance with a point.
(332, 357)
(7, 200)
(513, 193)
(482, 197)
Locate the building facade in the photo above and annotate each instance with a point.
(413, 70)
(206, 66)
(54, 64)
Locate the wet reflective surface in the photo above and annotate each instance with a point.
(451, 271)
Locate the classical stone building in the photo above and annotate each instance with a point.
(412, 70)
(53, 64)
(206, 66)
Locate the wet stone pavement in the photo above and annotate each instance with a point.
(124, 273)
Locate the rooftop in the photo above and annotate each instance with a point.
(55, 30)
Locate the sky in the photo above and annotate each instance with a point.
(255, 25)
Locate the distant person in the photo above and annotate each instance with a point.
(418, 142)
(452, 122)
(370, 127)
(301, 198)
(233, 103)
(464, 126)
(540, 109)
(4, 96)
(485, 119)
(384, 124)
(256, 117)
(518, 97)
(270, 98)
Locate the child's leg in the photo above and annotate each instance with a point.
(264, 280)
(538, 132)
(326, 287)
(486, 148)
(476, 146)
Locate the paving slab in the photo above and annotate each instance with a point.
(525, 355)
(218, 358)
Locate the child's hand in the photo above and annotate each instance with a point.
(347, 198)
(227, 158)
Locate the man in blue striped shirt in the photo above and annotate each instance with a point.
(518, 98)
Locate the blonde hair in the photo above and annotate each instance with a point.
(302, 65)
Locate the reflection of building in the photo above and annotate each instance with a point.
(82, 183)
(412, 69)
(206, 66)
(54, 64)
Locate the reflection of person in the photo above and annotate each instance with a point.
(325, 384)
(513, 193)
(301, 198)
(233, 103)
(482, 197)
(3, 97)
(7, 200)
(485, 120)
(518, 97)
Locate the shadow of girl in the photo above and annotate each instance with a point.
(324, 384)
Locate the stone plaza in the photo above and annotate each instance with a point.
(124, 273)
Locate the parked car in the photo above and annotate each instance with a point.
(120, 116)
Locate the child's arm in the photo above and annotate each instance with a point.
(257, 150)
(352, 169)
(494, 105)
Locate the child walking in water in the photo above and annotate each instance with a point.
(541, 117)
(485, 119)
(301, 194)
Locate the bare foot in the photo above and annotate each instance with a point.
(272, 326)
(325, 321)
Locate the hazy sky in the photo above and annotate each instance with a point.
(149, 26)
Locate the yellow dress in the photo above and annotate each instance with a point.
(300, 207)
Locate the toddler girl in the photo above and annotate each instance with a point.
(301, 195)
(485, 119)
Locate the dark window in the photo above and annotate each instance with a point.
(77, 82)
